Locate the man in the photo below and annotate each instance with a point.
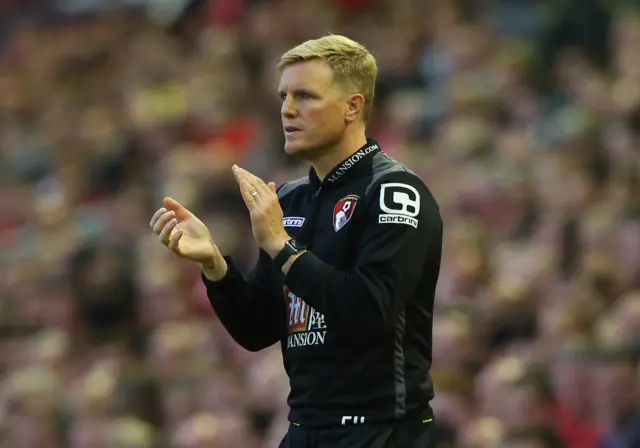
(348, 264)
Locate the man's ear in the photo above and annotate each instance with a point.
(355, 104)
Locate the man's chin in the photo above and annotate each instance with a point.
(304, 149)
(295, 147)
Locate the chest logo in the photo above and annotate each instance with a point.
(305, 325)
(343, 211)
(292, 221)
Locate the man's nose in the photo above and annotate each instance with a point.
(288, 108)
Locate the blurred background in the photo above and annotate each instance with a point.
(522, 116)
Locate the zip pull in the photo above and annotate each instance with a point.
(318, 192)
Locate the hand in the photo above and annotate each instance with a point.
(187, 236)
(264, 209)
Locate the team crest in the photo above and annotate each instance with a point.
(343, 211)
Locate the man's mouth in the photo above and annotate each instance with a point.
(291, 129)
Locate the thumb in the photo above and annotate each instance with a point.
(181, 212)
(272, 186)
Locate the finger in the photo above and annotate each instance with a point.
(256, 184)
(165, 235)
(263, 190)
(253, 178)
(242, 174)
(259, 194)
(174, 240)
(247, 186)
(238, 174)
(157, 216)
(181, 212)
(248, 194)
(272, 187)
(162, 221)
(263, 194)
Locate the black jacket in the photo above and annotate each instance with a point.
(354, 313)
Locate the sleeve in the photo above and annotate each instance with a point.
(247, 309)
(402, 234)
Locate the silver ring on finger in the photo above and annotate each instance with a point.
(254, 193)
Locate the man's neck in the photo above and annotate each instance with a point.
(341, 151)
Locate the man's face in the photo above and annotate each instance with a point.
(314, 108)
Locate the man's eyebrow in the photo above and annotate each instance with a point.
(298, 91)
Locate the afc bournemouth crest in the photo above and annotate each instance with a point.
(343, 211)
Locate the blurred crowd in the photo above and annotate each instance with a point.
(522, 116)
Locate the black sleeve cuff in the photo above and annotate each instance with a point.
(217, 289)
(306, 275)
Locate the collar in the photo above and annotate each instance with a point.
(358, 164)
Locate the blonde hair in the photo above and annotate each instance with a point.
(353, 66)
